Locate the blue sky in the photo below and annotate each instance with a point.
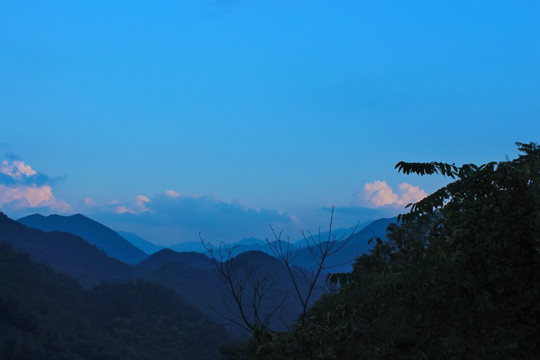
(173, 117)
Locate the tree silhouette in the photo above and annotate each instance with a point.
(458, 278)
(248, 287)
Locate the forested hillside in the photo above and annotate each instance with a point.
(46, 315)
(92, 231)
(66, 253)
(190, 275)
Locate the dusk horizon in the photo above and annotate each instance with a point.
(225, 117)
(269, 180)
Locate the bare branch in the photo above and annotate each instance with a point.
(247, 286)
(320, 250)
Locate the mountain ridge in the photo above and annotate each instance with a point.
(65, 253)
(48, 315)
(92, 231)
(148, 247)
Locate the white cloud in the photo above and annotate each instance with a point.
(141, 199)
(140, 204)
(121, 209)
(171, 194)
(16, 169)
(410, 194)
(89, 202)
(27, 190)
(57, 205)
(170, 219)
(31, 196)
(137, 206)
(380, 194)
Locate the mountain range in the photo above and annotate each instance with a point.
(191, 275)
(65, 253)
(146, 246)
(132, 249)
(48, 315)
(244, 245)
(350, 245)
(193, 259)
(95, 233)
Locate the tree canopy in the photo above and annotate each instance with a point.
(458, 277)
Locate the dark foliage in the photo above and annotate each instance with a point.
(459, 278)
(46, 315)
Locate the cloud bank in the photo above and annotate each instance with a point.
(22, 189)
(170, 217)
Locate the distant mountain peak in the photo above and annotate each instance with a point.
(191, 258)
(65, 252)
(36, 215)
(79, 215)
(90, 230)
(251, 241)
(146, 246)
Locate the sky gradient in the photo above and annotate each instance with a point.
(169, 118)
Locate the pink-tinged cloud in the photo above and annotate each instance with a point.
(410, 194)
(121, 209)
(167, 219)
(16, 169)
(379, 194)
(171, 194)
(138, 206)
(89, 202)
(25, 193)
(31, 196)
